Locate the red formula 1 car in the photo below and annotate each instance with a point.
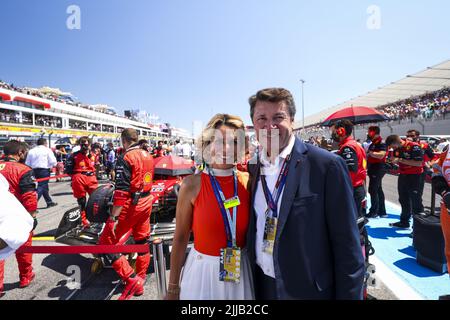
(168, 176)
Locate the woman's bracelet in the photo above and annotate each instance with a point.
(174, 291)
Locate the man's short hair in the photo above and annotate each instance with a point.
(273, 95)
(375, 129)
(346, 124)
(416, 132)
(83, 140)
(129, 135)
(142, 141)
(393, 138)
(14, 147)
(41, 141)
(96, 146)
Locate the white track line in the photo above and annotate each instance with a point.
(393, 282)
(390, 279)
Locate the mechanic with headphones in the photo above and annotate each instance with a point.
(409, 157)
(355, 157)
(81, 167)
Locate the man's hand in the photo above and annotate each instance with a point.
(412, 163)
(35, 222)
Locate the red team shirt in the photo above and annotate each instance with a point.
(355, 157)
(83, 162)
(409, 151)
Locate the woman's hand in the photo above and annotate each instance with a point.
(172, 296)
(173, 292)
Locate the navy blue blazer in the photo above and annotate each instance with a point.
(317, 251)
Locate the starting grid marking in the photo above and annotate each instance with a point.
(43, 238)
(396, 263)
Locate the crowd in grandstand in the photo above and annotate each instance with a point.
(54, 97)
(95, 127)
(75, 124)
(426, 106)
(13, 116)
(48, 121)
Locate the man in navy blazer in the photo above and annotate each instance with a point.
(316, 249)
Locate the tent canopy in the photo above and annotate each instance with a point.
(429, 80)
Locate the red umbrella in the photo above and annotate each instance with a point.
(174, 166)
(356, 115)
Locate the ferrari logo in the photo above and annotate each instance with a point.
(2, 166)
(82, 164)
(364, 164)
(148, 178)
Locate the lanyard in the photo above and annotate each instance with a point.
(230, 222)
(279, 185)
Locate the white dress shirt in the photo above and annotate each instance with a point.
(186, 150)
(271, 171)
(15, 222)
(41, 157)
(76, 148)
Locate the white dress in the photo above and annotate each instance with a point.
(200, 279)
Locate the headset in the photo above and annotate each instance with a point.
(340, 129)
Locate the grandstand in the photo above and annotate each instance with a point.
(420, 101)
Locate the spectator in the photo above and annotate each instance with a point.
(177, 149)
(186, 150)
(42, 160)
(111, 161)
(61, 156)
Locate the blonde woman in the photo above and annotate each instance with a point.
(214, 204)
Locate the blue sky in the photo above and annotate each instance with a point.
(188, 59)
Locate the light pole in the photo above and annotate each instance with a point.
(303, 106)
